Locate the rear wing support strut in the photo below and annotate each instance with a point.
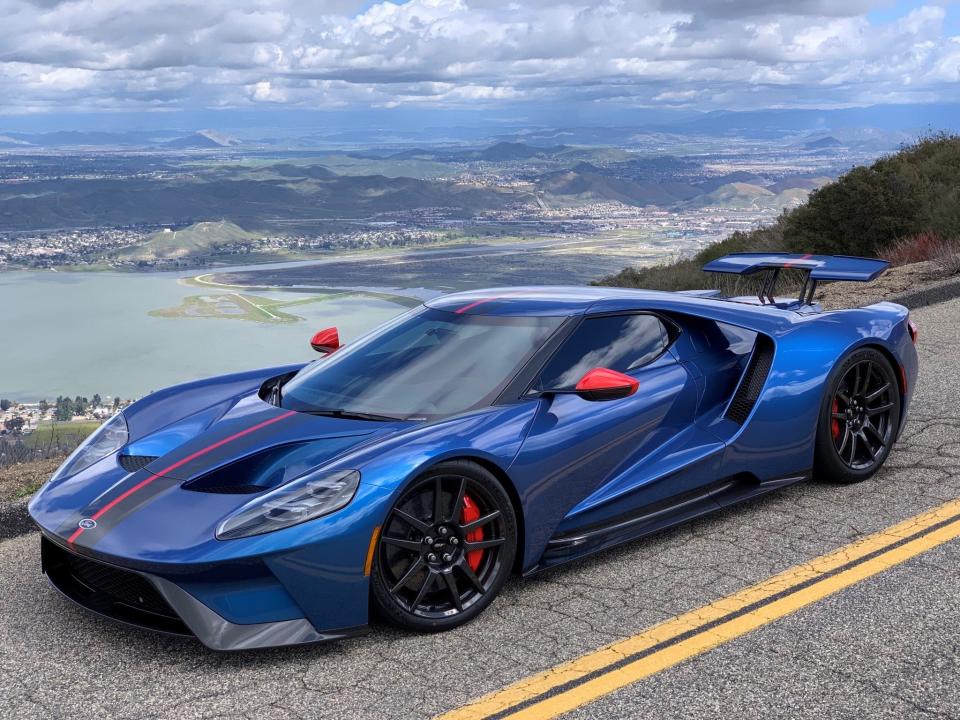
(806, 293)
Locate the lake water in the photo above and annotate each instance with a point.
(85, 333)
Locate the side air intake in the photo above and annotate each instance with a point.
(132, 463)
(758, 367)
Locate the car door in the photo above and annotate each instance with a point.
(585, 462)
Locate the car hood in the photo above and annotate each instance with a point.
(194, 471)
(206, 442)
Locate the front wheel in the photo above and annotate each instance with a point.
(446, 548)
(859, 418)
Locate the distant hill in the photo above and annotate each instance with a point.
(909, 194)
(197, 239)
(95, 138)
(586, 183)
(289, 170)
(735, 195)
(799, 181)
(739, 176)
(201, 140)
(498, 152)
(8, 142)
(823, 143)
(253, 200)
(503, 151)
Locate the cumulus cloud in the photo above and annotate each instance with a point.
(99, 54)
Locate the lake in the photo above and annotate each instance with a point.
(70, 333)
(80, 333)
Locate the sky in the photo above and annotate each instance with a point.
(464, 56)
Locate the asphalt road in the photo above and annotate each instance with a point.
(884, 647)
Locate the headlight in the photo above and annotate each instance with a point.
(305, 498)
(106, 439)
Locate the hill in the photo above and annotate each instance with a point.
(904, 199)
(498, 152)
(586, 183)
(823, 143)
(289, 170)
(203, 139)
(197, 239)
(249, 200)
(9, 142)
(736, 195)
(740, 196)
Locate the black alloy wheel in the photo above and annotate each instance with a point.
(862, 418)
(446, 548)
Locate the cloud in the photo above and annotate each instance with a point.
(102, 54)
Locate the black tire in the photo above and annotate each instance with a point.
(859, 418)
(439, 565)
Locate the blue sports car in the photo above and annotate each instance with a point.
(410, 472)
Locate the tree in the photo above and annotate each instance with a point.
(63, 409)
(116, 403)
(14, 425)
(44, 406)
(97, 400)
(5, 404)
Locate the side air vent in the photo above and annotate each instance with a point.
(132, 463)
(758, 367)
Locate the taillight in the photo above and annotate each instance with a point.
(912, 329)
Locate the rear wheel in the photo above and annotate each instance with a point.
(859, 418)
(446, 548)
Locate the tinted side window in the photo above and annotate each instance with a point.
(618, 342)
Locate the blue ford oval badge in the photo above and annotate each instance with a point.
(87, 523)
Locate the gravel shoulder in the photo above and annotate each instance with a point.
(913, 285)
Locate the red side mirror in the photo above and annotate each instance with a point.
(606, 384)
(326, 341)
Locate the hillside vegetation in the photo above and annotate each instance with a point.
(902, 201)
(197, 239)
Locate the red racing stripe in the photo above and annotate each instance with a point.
(790, 263)
(203, 451)
(481, 301)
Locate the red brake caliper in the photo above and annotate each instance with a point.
(470, 513)
(834, 423)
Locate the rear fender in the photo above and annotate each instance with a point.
(777, 437)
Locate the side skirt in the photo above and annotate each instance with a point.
(586, 541)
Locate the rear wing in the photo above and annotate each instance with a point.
(817, 268)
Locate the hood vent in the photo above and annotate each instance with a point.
(226, 489)
(269, 468)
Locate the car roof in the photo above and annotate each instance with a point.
(538, 301)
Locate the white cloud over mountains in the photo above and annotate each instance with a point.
(116, 54)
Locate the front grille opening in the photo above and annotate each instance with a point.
(132, 463)
(752, 382)
(120, 594)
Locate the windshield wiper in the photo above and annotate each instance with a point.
(353, 415)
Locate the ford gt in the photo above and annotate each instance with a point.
(409, 473)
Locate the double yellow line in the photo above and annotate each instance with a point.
(569, 685)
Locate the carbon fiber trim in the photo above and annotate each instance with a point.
(132, 463)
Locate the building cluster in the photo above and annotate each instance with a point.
(21, 419)
(67, 247)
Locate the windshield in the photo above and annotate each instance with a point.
(428, 364)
